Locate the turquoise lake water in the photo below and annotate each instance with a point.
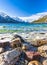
(24, 27)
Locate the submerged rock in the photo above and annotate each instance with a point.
(34, 62)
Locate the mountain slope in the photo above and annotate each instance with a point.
(35, 17)
(41, 20)
(7, 19)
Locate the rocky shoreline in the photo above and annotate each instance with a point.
(23, 49)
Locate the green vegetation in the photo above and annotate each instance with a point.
(41, 20)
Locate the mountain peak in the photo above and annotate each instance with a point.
(3, 14)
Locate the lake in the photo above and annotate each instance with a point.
(22, 27)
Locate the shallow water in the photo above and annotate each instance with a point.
(24, 27)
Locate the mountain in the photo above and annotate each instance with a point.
(35, 18)
(7, 19)
(41, 20)
(39, 17)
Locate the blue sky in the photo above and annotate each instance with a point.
(23, 7)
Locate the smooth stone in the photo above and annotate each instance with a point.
(43, 50)
(34, 62)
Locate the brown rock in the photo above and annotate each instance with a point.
(38, 42)
(43, 50)
(30, 55)
(34, 62)
(16, 43)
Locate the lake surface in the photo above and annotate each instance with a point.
(24, 27)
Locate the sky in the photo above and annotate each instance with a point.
(23, 7)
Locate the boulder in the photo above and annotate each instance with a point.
(34, 62)
(43, 50)
(10, 57)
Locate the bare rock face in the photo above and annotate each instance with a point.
(38, 42)
(30, 55)
(1, 50)
(16, 43)
(10, 57)
(34, 62)
(43, 50)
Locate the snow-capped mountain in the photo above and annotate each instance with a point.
(39, 17)
(33, 17)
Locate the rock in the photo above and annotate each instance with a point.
(30, 55)
(16, 43)
(25, 46)
(4, 63)
(18, 36)
(45, 62)
(38, 42)
(10, 57)
(1, 50)
(43, 50)
(3, 44)
(34, 62)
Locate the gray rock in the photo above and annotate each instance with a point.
(10, 56)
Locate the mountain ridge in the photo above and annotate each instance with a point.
(35, 18)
